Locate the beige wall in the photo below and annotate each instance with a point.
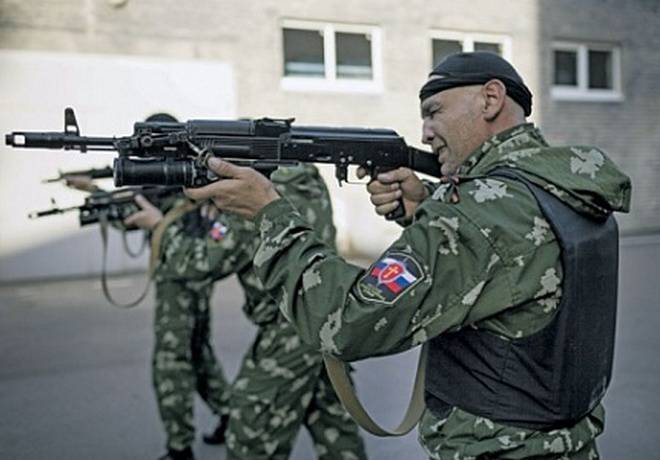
(247, 37)
(109, 93)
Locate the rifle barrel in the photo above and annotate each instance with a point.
(58, 140)
(50, 212)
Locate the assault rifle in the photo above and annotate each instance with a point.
(112, 206)
(167, 153)
(93, 173)
(105, 207)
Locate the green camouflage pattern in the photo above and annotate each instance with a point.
(183, 361)
(281, 383)
(487, 260)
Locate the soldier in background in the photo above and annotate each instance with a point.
(183, 361)
(282, 383)
(506, 271)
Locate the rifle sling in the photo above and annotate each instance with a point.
(127, 248)
(344, 388)
(156, 239)
(336, 369)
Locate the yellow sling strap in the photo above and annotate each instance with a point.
(346, 393)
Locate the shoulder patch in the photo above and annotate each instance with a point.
(389, 278)
(218, 231)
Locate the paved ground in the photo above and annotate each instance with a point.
(74, 380)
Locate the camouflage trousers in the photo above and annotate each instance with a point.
(465, 437)
(282, 385)
(183, 360)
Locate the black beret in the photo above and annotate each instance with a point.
(463, 69)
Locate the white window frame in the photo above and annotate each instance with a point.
(330, 83)
(468, 39)
(582, 92)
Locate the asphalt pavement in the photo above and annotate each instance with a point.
(75, 382)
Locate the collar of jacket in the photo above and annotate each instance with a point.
(519, 137)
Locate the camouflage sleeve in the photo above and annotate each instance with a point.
(227, 245)
(204, 250)
(455, 266)
(304, 188)
(344, 310)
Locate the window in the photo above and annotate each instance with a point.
(586, 72)
(331, 57)
(444, 43)
(565, 68)
(303, 53)
(353, 53)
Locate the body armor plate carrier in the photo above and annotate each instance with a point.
(554, 377)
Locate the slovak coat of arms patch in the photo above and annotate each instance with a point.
(390, 277)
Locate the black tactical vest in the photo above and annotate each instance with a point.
(552, 378)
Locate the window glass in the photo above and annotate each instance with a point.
(565, 68)
(600, 69)
(443, 48)
(303, 53)
(353, 53)
(495, 48)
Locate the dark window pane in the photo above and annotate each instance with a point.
(443, 48)
(495, 48)
(353, 56)
(565, 68)
(303, 53)
(600, 69)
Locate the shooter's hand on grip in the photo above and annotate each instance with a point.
(395, 193)
(147, 218)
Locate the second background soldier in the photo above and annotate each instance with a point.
(282, 383)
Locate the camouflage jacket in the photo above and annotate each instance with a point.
(487, 261)
(226, 244)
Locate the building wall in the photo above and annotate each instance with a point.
(108, 93)
(628, 130)
(247, 36)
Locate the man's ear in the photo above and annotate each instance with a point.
(494, 94)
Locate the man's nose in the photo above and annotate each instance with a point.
(427, 133)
